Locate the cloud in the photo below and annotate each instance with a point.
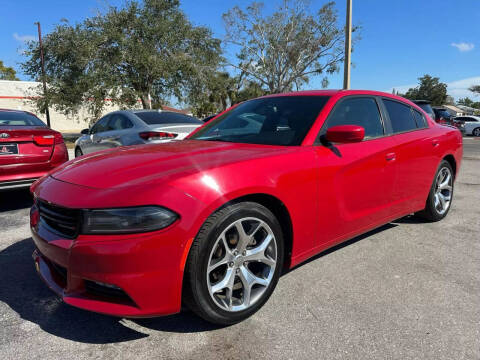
(458, 88)
(23, 38)
(463, 47)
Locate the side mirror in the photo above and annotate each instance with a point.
(345, 134)
(85, 132)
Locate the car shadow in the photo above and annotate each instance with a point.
(15, 199)
(24, 292)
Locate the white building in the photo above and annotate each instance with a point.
(17, 95)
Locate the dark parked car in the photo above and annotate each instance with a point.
(442, 116)
(425, 106)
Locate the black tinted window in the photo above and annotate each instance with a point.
(419, 119)
(358, 111)
(166, 117)
(119, 122)
(17, 118)
(400, 116)
(470, 119)
(280, 120)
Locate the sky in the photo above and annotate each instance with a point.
(401, 40)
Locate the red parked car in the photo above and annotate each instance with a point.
(28, 149)
(212, 221)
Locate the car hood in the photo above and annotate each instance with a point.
(146, 164)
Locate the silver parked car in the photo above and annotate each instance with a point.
(133, 127)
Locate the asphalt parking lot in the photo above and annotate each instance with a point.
(408, 290)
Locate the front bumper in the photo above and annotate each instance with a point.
(147, 269)
(134, 275)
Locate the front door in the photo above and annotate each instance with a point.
(356, 185)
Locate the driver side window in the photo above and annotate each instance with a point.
(361, 111)
(100, 125)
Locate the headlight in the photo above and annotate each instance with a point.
(127, 220)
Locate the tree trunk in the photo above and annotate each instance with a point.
(146, 102)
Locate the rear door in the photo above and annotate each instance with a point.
(356, 179)
(415, 149)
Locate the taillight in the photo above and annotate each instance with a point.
(157, 135)
(48, 140)
(58, 138)
(44, 140)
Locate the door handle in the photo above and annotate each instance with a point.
(391, 156)
(435, 143)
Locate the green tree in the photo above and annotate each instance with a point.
(7, 73)
(430, 88)
(75, 75)
(465, 101)
(475, 89)
(145, 50)
(284, 50)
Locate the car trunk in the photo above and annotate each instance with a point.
(25, 145)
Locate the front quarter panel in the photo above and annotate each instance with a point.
(291, 177)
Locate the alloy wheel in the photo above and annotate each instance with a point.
(476, 132)
(241, 264)
(443, 190)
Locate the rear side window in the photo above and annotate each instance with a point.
(18, 118)
(165, 117)
(419, 119)
(400, 116)
(362, 111)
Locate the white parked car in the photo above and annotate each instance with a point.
(133, 127)
(471, 124)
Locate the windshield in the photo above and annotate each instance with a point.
(165, 117)
(17, 118)
(280, 120)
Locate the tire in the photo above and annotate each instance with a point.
(78, 152)
(217, 280)
(476, 132)
(439, 200)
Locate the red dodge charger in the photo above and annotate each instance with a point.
(28, 149)
(212, 221)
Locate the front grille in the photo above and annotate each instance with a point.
(64, 222)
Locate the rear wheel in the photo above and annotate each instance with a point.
(234, 263)
(78, 152)
(441, 194)
(476, 131)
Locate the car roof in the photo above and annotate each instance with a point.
(14, 110)
(340, 93)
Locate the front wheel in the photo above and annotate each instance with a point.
(234, 263)
(441, 194)
(78, 152)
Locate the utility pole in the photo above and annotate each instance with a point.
(348, 46)
(47, 113)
